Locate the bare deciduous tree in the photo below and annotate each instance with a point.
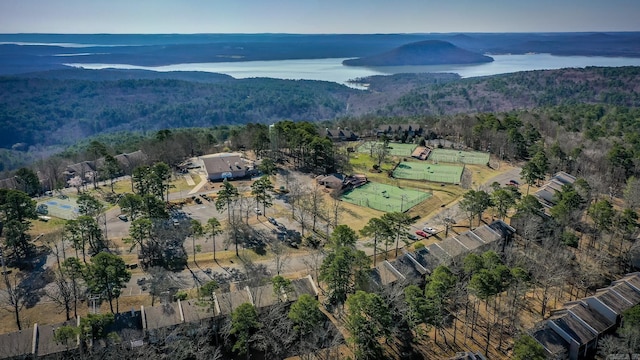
(14, 295)
(280, 255)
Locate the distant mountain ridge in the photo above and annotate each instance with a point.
(52, 51)
(58, 108)
(428, 52)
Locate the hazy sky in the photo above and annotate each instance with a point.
(316, 16)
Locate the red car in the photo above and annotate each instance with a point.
(422, 233)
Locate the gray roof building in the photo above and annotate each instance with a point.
(224, 166)
(582, 323)
(338, 134)
(476, 239)
(161, 316)
(18, 343)
(546, 194)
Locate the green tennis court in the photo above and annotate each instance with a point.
(395, 149)
(66, 208)
(430, 172)
(384, 197)
(457, 156)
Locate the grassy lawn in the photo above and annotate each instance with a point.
(430, 172)
(385, 197)
(394, 149)
(481, 173)
(179, 184)
(363, 163)
(457, 156)
(442, 194)
(40, 227)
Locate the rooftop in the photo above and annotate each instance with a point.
(221, 164)
(264, 296)
(488, 234)
(17, 343)
(590, 316)
(612, 300)
(470, 240)
(195, 311)
(551, 341)
(573, 327)
(229, 301)
(438, 252)
(46, 341)
(301, 286)
(633, 279)
(453, 247)
(627, 292)
(163, 315)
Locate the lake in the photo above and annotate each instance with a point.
(333, 70)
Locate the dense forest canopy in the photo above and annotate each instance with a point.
(48, 112)
(39, 111)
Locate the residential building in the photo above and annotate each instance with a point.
(546, 194)
(332, 181)
(574, 331)
(224, 166)
(338, 134)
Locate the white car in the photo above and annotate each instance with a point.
(429, 230)
(258, 211)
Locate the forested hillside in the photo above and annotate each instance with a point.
(50, 111)
(523, 90)
(428, 52)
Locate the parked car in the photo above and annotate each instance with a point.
(412, 237)
(422, 233)
(429, 230)
(258, 211)
(123, 217)
(282, 228)
(272, 221)
(514, 182)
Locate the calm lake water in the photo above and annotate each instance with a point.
(333, 70)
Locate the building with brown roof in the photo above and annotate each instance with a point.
(555, 346)
(477, 239)
(582, 323)
(301, 286)
(333, 181)
(224, 166)
(161, 316)
(84, 170)
(338, 134)
(130, 161)
(401, 130)
(421, 153)
(18, 344)
(546, 194)
(133, 326)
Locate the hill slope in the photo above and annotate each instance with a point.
(429, 52)
(37, 111)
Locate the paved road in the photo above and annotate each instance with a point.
(298, 261)
(437, 222)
